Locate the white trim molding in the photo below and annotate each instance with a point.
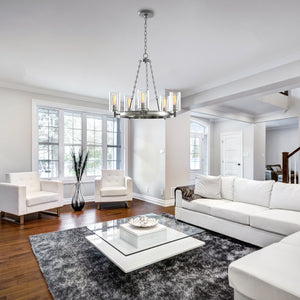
(86, 199)
(153, 200)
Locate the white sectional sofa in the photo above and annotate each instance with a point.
(263, 213)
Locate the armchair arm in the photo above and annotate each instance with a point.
(98, 184)
(13, 198)
(128, 184)
(53, 186)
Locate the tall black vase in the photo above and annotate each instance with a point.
(77, 199)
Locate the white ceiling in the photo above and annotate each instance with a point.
(91, 47)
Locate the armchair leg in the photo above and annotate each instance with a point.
(98, 205)
(58, 211)
(22, 220)
(127, 204)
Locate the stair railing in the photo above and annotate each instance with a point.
(286, 166)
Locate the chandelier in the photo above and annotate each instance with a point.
(137, 105)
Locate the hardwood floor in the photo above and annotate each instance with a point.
(20, 276)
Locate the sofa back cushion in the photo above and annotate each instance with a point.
(227, 183)
(285, 196)
(112, 178)
(30, 179)
(253, 191)
(208, 186)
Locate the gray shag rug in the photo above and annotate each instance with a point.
(75, 269)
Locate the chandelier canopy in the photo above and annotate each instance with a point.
(137, 105)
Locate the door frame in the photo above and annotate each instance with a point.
(222, 135)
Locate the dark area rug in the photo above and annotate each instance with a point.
(75, 269)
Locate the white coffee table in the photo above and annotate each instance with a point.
(106, 238)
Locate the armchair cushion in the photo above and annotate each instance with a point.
(114, 191)
(30, 179)
(36, 198)
(112, 178)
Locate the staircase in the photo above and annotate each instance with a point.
(289, 162)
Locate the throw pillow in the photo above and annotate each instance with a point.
(208, 186)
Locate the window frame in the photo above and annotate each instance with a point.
(204, 166)
(84, 111)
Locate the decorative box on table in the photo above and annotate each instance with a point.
(143, 237)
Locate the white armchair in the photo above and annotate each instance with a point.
(113, 186)
(25, 193)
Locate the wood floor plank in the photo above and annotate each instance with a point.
(20, 276)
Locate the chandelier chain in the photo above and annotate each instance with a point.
(145, 38)
(135, 83)
(154, 85)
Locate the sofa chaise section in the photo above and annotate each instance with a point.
(271, 273)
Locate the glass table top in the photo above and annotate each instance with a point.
(130, 240)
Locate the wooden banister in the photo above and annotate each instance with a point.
(285, 165)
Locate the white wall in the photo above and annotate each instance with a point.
(16, 131)
(278, 141)
(259, 151)
(177, 153)
(147, 157)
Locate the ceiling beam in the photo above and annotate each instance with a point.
(268, 82)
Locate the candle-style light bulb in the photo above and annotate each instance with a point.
(175, 100)
(115, 100)
(165, 103)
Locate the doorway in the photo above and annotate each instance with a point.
(232, 154)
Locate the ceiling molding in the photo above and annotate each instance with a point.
(50, 92)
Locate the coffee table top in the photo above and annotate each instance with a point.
(175, 230)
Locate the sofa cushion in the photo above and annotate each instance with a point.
(270, 273)
(279, 221)
(293, 239)
(208, 186)
(203, 205)
(36, 198)
(113, 191)
(237, 211)
(253, 191)
(227, 183)
(30, 179)
(285, 196)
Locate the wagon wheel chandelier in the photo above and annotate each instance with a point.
(137, 106)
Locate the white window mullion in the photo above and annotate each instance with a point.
(61, 153)
(104, 143)
(84, 136)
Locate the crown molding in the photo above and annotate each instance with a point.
(50, 92)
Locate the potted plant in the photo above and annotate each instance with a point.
(79, 166)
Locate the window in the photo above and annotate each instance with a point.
(72, 139)
(48, 137)
(94, 145)
(113, 144)
(198, 147)
(61, 132)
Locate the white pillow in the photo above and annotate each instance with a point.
(227, 183)
(208, 186)
(285, 196)
(253, 191)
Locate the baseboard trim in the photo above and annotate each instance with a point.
(157, 201)
(86, 199)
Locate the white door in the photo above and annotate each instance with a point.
(231, 154)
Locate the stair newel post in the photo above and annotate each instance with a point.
(285, 166)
